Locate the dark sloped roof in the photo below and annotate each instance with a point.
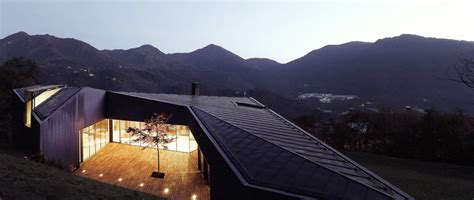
(34, 88)
(267, 164)
(54, 102)
(271, 152)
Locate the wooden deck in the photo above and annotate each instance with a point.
(131, 167)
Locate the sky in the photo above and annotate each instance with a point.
(278, 30)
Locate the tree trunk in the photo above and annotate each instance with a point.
(158, 153)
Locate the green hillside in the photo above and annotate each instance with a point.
(26, 179)
(423, 180)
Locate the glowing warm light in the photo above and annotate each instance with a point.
(184, 139)
(101, 175)
(142, 184)
(44, 96)
(120, 179)
(28, 114)
(166, 190)
(194, 196)
(84, 171)
(33, 103)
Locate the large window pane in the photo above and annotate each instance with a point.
(91, 139)
(172, 145)
(99, 135)
(192, 142)
(143, 144)
(107, 134)
(85, 144)
(94, 138)
(183, 138)
(103, 133)
(124, 136)
(116, 130)
(133, 138)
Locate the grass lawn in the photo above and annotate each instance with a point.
(26, 179)
(423, 180)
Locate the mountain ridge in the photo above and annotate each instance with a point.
(393, 71)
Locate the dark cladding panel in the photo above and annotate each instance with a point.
(60, 131)
(264, 163)
(126, 107)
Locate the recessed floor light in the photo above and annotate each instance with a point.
(194, 196)
(84, 171)
(166, 190)
(142, 184)
(120, 179)
(101, 175)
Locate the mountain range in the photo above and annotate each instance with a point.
(392, 72)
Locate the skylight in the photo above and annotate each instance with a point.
(249, 105)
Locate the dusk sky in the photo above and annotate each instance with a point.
(281, 30)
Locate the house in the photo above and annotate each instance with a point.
(245, 150)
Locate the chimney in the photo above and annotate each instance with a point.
(195, 89)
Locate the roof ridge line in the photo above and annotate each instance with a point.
(177, 94)
(286, 149)
(147, 98)
(362, 168)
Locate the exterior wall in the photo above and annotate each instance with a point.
(138, 109)
(60, 140)
(22, 136)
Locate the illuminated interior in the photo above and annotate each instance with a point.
(94, 138)
(43, 96)
(28, 114)
(184, 141)
(36, 101)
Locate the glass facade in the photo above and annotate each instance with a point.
(94, 138)
(184, 141)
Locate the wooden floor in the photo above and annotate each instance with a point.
(134, 165)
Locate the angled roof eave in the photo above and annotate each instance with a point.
(18, 95)
(34, 89)
(311, 161)
(55, 110)
(232, 166)
(394, 188)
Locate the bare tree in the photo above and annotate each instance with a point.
(155, 134)
(464, 70)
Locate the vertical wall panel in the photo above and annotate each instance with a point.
(60, 131)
